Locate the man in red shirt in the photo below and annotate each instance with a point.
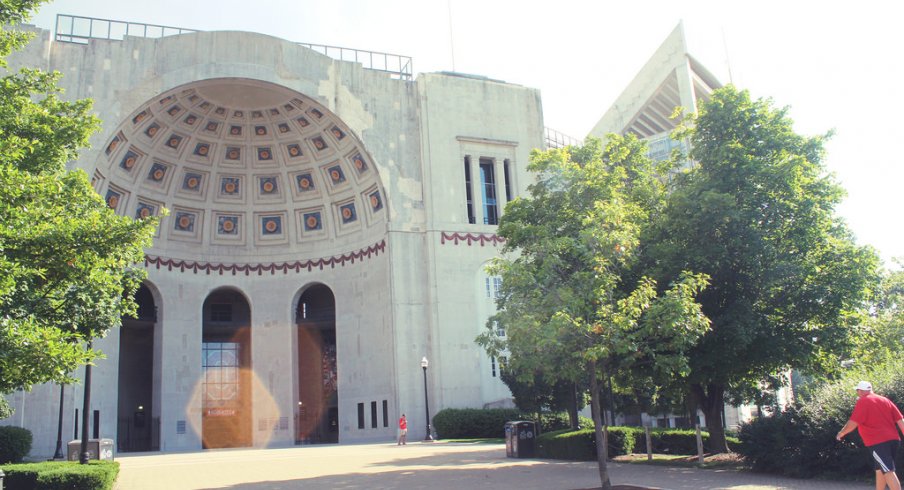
(875, 417)
(403, 430)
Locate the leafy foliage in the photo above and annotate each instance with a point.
(477, 423)
(801, 441)
(15, 443)
(62, 475)
(66, 259)
(571, 303)
(580, 445)
(756, 214)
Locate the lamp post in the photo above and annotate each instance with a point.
(84, 455)
(58, 454)
(429, 436)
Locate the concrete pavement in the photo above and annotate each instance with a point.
(414, 466)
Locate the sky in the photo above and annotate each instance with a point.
(835, 65)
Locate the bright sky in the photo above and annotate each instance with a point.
(838, 66)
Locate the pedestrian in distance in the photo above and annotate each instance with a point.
(878, 421)
(403, 430)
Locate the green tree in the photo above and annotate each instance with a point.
(882, 334)
(569, 302)
(538, 394)
(66, 259)
(755, 212)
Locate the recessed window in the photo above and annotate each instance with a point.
(488, 192)
(221, 312)
(468, 193)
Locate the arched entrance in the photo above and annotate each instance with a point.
(138, 427)
(226, 371)
(317, 418)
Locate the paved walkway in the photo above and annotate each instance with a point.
(418, 465)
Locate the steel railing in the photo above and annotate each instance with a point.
(555, 139)
(77, 29)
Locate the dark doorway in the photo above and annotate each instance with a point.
(226, 371)
(317, 419)
(138, 427)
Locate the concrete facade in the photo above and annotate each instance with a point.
(284, 171)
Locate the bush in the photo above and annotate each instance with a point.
(468, 423)
(15, 444)
(61, 475)
(479, 423)
(677, 441)
(580, 445)
(801, 441)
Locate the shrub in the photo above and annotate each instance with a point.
(473, 423)
(461, 423)
(580, 445)
(15, 444)
(676, 441)
(61, 475)
(801, 441)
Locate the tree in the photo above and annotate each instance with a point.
(539, 394)
(882, 334)
(569, 301)
(66, 259)
(755, 212)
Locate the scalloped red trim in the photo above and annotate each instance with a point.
(470, 238)
(272, 267)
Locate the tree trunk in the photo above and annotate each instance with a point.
(712, 401)
(601, 447)
(573, 407)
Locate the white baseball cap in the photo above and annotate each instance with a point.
(865, 386)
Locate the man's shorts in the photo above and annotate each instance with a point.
(884, 455)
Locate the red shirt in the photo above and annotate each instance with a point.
(403, 424)
(876, 417)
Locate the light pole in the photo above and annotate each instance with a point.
(84, 455)
(429, 437)
(58, 454)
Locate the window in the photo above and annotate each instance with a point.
(500, 331)
(373, 415)
(488, 192)
(508, 180)
(470, 199)
(493, 366)
(221, 312)
(360, 415)
(494, 287)
(385, 414)
(220, 364)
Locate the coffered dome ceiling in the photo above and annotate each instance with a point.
(243, 167)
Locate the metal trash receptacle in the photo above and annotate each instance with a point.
(520, 439)
(97, 449)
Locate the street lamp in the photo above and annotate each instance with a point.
(429, 437)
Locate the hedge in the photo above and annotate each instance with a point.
(580, 445)
(61, 475)
(15, 444)
(480, 423)
(677, 441)
(800, 442)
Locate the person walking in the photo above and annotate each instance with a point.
(403, 430)
(878, 420)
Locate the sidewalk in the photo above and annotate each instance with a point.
(415, 466)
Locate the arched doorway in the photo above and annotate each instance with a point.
(138, 427)
(226, 371)
(317, 418)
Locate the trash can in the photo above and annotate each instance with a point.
(520, 439)
(97, 449)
